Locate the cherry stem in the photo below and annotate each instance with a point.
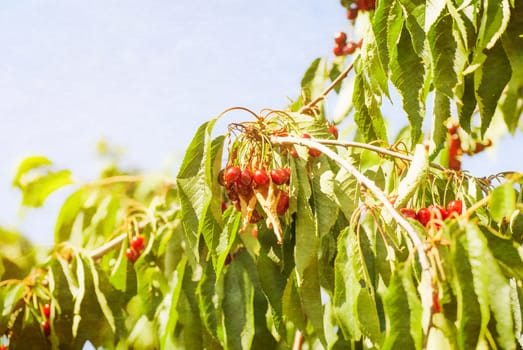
(298, 340)
(376, 191)
(322, 96)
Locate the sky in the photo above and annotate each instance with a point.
(143, 75)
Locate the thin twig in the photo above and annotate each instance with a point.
(375, 190)
(335, 82)
(107, 247)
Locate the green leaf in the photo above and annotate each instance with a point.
(403, 312)
(368, 116)
(443, 47)
(441, 114)
(347, 286)
(28, 164)
(167, 313)
(494, 21)
(195, 185)
(35, 192)
(414, 13)
(502, 202)
(407, 74)
(471, 287)
(468, 102)
(313, 81)
(237, 307)
(490, 81)
(416, 174)
(325, 207)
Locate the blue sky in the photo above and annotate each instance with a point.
(144, 75)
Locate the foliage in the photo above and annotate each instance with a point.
(324, 253)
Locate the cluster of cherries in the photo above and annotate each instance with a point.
(359, 5)
(136, 246)
(434, 212)
(342, 46)
(456, 150)
(239, 181)
(46, 324)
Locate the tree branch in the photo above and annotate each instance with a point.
(375, 190)
(322, 96)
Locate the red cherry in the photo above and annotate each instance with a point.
(138, 243)
(3, 347)
(279, 176)
(260, 177)
(245, 177)
(232, 174)
(131, 254)
(283, 203)
(371, 4)
(423, 216)
(437, 212)
(46, 310)
(228, 259)
(314, 152)
(362, 5)
(255, 217)
(350, 48)
(288, 172)
(254, 231)
(333, 130)
(338, 50)
(46, 327)
(306, 136)
(294, 153)
(455, 206)
(408, 212)
(340, 38)
(352, 12)
(452, 127)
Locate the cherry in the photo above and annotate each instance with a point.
(338, 50)
(283, 203)
(294, 153)
(288, 172)
(255, 217)
(312, 151)
(131, 254)
(452, 127)
(245, 177)
(228, 259)
(437, 212)
(3, 347)
(46, 327)
(138, 243)
(455, 206)
(232, 174)
(423, 216)
(409, 213)
(279, 176)
(333, 130)
(352, 12)
(260, 177)
(350, 48)
(46, 310)
(362, 5)
(340, 38)
(371, 4)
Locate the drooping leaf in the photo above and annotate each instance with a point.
(407, 75)
(490, 81)
(195, 184)
(502, 202)
(402, 312)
